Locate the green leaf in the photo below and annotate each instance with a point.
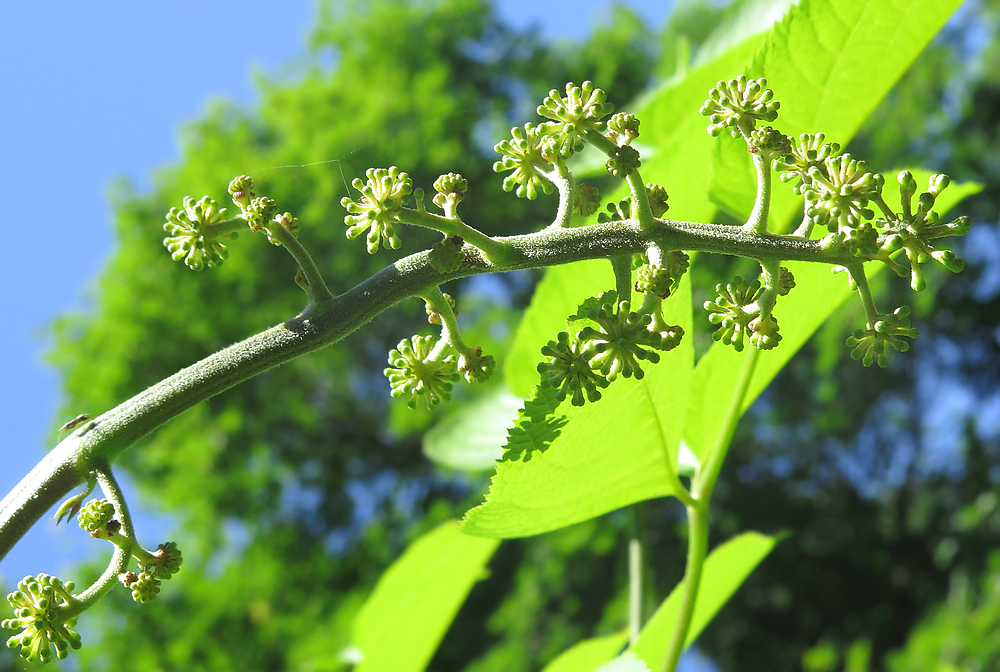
(589, 654)
(592, 466)
(820, 62)
(817, 293)
(536, 427)
(402, 623)
(470, 439)
(726, 568)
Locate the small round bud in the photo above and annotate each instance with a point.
(622, 161)
(95, 515)
(241, 189)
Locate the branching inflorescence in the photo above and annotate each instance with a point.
(840, 194)
(611, 336)
(45, 607)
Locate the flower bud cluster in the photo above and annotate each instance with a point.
(733, 309)
(573, 116)
(913, 230)
(534, 153)
(871, 343)
(188, 238)
(662, 278)
(95, 516)
(382, 197)
(613, 344)
(41, 607)
(418, 369)
(738, 104)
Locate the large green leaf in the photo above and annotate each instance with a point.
(402, 623)
(590, 654)
(821, 63)
(817, 293)
(581, 462)
(725, 570)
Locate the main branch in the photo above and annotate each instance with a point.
(103, 439)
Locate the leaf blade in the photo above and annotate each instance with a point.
(432, 579)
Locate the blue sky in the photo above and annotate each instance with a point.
(94, 92)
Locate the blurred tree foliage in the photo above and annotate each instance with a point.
(292, 492)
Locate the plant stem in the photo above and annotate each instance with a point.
(622, 266)
(105, 437)
(698, 512)
(122, 555)
(492, 248)
(762, 204)
(637, 581)
(316, 287)
(697, 516)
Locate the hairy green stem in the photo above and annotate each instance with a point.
(104, 438)
(857, 271)
(316, 287)
(563, 181)
(697, 516)
(762, 204)
(621, 264)
(122, 553)
(450, 333)
(493, 249)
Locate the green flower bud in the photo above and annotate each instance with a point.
(871, 343)
(186, 238)
(764, 332)
(808, 151)
(448, 254)
(769, 144)
(621, 341)
(39, 605)
(569, 370)
(657, 196)
(523, 155)
(622, 161)
(167, 561)
(662, 279)
(144, 586)
(288, 223)
(840, 191)
(260, 213)
(415, 373)
(241, 189)
(733, 309)
(580, 111)
(382, 197)
(476, 367)
(786, 281)
(739, 100)
(617, 212)
(914, 230)
(434, 317)
(450, 188)
(586, 199)
(623, 128)
(95, 515)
